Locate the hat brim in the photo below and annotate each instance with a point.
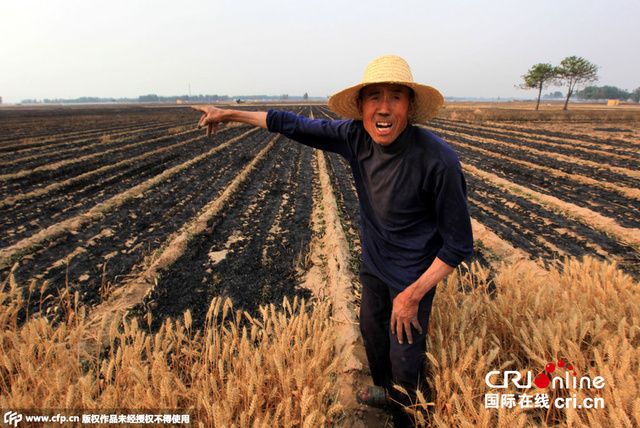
(427, 101)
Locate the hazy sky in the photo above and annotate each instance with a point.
(118, 48)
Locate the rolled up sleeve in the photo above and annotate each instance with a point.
(454, 222)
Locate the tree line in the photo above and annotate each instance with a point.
(142, 99)
(154, 98)
(608, 93)
(573, 72)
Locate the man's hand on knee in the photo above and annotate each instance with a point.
(403, 316)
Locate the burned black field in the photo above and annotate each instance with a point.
(91, 196)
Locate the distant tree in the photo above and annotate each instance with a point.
(305, 96)
(575, 71)
(635, 95)
(148, 98)
(590, 93)
(538, 76)
(553, 95)
(603, 93)
(614, 93)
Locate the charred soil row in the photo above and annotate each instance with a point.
(174, 144)
(324, 112)
(586, 135)
(601, 195)
(27, 213)
(626, 211)
(542, 231)
(9, 255)
(521, 222)
(45, 122)
(56, 150)
(568, 160)
(109, 251)
(21, 142)
(579, 145)
(625, 191)
(590, 218)
(18, 137)
(29, 179)
(252, 251)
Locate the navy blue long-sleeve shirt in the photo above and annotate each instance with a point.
(412, 194)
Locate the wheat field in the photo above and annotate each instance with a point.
(275, 370)
(279, 369)
(586, 313)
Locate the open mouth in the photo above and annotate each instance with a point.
(383, 126)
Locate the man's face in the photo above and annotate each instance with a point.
(386, 109)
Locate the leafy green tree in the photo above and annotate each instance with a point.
(635, 95)
(604, 93)
(589, 93)
(538, 76)
(148, 98)
(575, 71)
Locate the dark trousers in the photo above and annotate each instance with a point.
(390, 362)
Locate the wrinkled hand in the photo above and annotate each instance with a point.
(211, 118)
(403, 316)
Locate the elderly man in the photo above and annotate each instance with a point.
(415, 221)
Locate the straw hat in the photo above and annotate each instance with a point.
(389, 69)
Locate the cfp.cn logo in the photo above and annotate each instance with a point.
(12, 418)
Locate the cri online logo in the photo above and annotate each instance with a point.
(543, 380)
